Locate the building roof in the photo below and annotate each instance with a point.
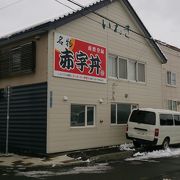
(168, 45)
(78, 12)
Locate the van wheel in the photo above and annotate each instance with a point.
(136, 144)
(165, 144)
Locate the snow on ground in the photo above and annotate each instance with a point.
(143, 156)
(99, 168)
(127, 147)
(25, 161)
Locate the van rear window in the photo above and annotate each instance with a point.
(144, 117)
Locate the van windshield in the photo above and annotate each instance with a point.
(144, 117)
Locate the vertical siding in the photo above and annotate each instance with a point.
(173, 65)
(3, 117)
(61, 137)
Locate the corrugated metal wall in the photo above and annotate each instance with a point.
(28, 119)
(3, 117)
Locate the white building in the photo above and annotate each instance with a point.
(74, 81)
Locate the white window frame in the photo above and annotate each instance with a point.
(94, 116)
(171, 78)
(128, 70)
(171, 103)
(118, 58)
(117, 124)
(115, 57)
(137, 76)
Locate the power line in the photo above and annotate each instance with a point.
(77, 4)
(11, 4)
(76, 10)
(82, 7)
(90, 18)
(137, 41)
(117, 24)
(65, 5)
(95, 20)
(108, 19)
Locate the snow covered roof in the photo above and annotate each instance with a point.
(36, 16)
(67, 12)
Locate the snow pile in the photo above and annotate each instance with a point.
(99, 168)
(155, 154)
(36, 174)
(11, 159)
(126, 147)
(96, 169)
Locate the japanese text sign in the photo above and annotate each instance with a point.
(77, 59)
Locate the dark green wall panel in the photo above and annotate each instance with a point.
(28, 119)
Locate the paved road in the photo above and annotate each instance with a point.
(151, 169)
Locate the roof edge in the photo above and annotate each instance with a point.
(175, 48)
(145, 31)
(45, 27)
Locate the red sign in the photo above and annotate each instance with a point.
(77, 59)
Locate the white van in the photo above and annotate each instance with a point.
(148, 126)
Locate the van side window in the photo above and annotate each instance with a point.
(143, 117)
(177, 120)
(166, 120)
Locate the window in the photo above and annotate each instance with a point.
(177, 120)
(15, 56)
(90, 115)
(112, 66)
(143, 117)
(82, 115)
(141, 72)
(113, 114)
(18, 60)
(120, 113)
(171, 78)
(166, 119)
(126, 69)
(172, 105)
(122, 68)
(132, 70)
